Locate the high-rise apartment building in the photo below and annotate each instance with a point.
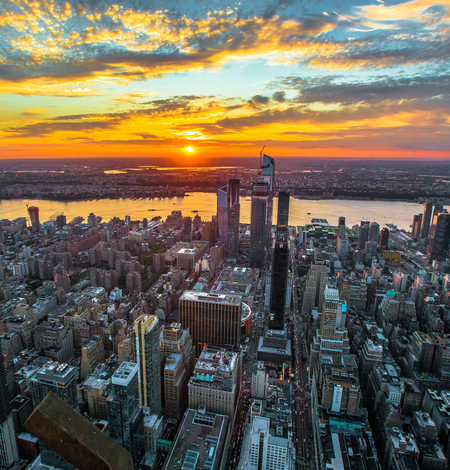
(258, 223)
(426, 219)
(33, 212)
(177, 347)
(211, 318)
(146, 333)
(439, 237)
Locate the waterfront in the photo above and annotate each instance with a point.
(397, 212)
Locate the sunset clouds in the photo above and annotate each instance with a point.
(151, 77)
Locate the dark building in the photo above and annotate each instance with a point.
(439, 237)
(61, 221)
(384, 238)
(260, 191)
(187, 229)
(280, 265)
(5, 399)
(426, 219)
(279, 281)
(283, 210)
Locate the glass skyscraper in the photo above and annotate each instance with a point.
(260, 192)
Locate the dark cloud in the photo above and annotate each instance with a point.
(259, 100)
(45, 128)
(279, 96)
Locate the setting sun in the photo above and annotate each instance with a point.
(189, 149)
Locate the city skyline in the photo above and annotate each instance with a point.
(189, 82)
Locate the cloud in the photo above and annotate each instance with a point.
(279, 96)
(34, 112)
(259, 100)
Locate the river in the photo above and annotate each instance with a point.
(397, 212)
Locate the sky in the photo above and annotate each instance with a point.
(307, 78)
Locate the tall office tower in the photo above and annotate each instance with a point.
(374, 232)
(258, 224)
(416, 226)
(426, 219)
(279, 281)
(280, 265)
(439, 238)
(227, 197)
(222, 212)
(92, 220)
(33, 212)
(8, 444)
(122, 405)
(283, 210)
(61, 379)
(384, 238)
(341, 227)
(363, 236)
(146, 333)
(211, 318)
(268, 174)
(316, 280)
(332, 341)
(177, 347)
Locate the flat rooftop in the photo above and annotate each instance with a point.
(211, 298)
(199, 442)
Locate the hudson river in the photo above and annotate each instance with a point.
(397, 212)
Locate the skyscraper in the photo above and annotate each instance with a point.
(426, 219)
(280, 265)
(260, 191)
(374, 232)
(33, 211)
(146, 332)
(268, 174)
(439, 237)
(416, 225)
(384, 238)
(342, 244)
(283, 210)
(363, 236)
(222, 212)
(211, 318)
(341, 227)
(228, 215)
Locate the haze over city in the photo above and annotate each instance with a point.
(189, 81)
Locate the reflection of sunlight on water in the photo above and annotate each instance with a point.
(113, 172)
(400, 213)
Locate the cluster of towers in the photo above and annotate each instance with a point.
(434, 225)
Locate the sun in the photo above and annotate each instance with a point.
(189, 149)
